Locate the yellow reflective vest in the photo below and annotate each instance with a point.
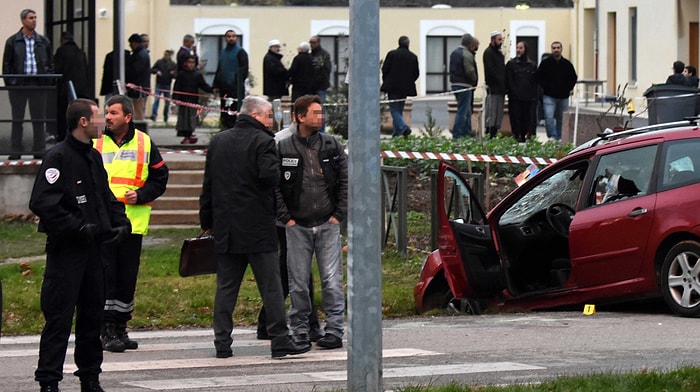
(127, 169)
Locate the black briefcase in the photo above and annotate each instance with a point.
(197, 256)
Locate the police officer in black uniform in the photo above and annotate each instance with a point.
(79, 214)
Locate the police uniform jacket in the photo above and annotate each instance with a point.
(238, 193)
(303, 196)
(71, 190)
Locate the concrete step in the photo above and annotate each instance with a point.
(190, 177)
(176, 203)
(183, 164)
(174, 217)
(182, 190)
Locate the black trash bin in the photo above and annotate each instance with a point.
(671, 102)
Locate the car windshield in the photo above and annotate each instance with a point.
(562, 187)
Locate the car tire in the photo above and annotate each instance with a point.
(680, 279)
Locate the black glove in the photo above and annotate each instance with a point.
(117, 235)
(87, 233)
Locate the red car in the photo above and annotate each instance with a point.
(617, 219)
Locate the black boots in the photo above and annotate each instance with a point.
(115, 338)
(123, 336)
(90, 386)
(50, 388)
(492, 131)
(110, 340)
(284, 345)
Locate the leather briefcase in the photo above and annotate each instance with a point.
(197, 256)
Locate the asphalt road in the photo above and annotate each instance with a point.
(474, 350)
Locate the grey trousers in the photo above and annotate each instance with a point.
(494, 110)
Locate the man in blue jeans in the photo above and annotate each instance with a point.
(464, 77)
(311, 202)
(165, 70)
(399, 74)
(557, 77)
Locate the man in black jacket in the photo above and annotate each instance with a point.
(275, 75)
(237, 206)
(79, 214)
(312, 201)
(522, 94)
(137, 71)
(71, 62)
(399, 75)
(15, 61)
(229, 80)
(557, 77)
(495, 74)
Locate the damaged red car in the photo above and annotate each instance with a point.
(615, 220)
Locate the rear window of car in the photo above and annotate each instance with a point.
(623, 174)
(680, 164)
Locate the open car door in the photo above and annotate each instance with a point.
(465, 240)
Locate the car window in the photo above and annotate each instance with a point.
(460, 204)
(563, 186)
(681, 164)
(623, 174)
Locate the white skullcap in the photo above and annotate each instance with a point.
(495, 34)
(274, 42)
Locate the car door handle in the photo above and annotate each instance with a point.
(637, 212)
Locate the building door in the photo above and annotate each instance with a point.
(338, 46)
(693, 44)
(78, 17)
(437, 68)
(612, 53)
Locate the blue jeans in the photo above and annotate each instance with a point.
(302, 244)
(396, 110)
(322, 95)
(164, 90)
(463, 118)
(553, 115)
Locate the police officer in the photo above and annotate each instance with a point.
(79, 214)
(137, 176)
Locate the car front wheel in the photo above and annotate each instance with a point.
(681, 279)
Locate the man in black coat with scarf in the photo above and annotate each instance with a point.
(238, 207)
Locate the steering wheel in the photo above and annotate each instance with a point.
(559, 217)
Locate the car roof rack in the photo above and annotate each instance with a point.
(608, 134)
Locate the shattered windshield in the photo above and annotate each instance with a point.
(562, 187)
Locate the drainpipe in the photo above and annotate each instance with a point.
(595, 41)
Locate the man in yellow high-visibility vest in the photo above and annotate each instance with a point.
(137, 176)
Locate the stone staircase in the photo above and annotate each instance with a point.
(179, 205)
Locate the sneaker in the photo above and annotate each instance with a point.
(329, 341)
(185, 140)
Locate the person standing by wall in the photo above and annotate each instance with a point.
(522, 94)
(275, 75)
(557, 77)
(79, 215)
(229, 80)
(312, 201)
(464, 75)
(137, 176)
(301, 72)
(322, 71)
(237, 206)
(71, 62)
(27, 53)
(165, 70)
(399, 74)
(138, 73)
(495, 74)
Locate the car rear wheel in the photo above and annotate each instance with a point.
(681, 279)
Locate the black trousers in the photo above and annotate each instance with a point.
(523, 118)
(284, 277)
(37, 110)
(229, 275)
(74, 279)
(122, 268)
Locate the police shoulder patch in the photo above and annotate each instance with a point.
(52, 175)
